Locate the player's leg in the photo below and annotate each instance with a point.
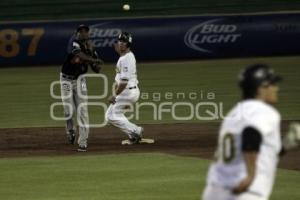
(115, 116)
(69, 107)
(212, 192)
(115, 113)
(250, 196)
(82, 114)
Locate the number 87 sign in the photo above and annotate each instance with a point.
(10, 41)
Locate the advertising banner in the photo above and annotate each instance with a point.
(155, 39)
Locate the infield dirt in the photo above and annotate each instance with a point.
(197, 140)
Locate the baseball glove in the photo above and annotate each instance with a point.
(96, 67)
(292, 138)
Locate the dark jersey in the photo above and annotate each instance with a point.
(73, 65)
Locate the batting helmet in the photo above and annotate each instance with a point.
(125, 37)
(254, 76)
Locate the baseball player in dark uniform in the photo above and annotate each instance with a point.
(81, 55)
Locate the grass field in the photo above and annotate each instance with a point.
(25, 98)
(112, 177)
(25, 102)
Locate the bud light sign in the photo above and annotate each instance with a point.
(156, 39)
(208, 34)
(101, 36)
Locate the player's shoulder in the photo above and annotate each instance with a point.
(253, 113)
(75, 43)
(261, 115)
(260, 108)
(128, 57)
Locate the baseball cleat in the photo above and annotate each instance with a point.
(71, 137)
(82, 149)
(134, 138)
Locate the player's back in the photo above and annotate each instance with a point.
(229, 168)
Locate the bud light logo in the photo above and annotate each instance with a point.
(209, 34)
(103, 37)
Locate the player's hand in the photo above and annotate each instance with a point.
(98, 61)
(76, 60)
(243, 186)
(96, 68)
(292, 139)
(112, 99)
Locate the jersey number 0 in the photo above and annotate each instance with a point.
(228, 149)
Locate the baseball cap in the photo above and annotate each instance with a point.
(83, 26)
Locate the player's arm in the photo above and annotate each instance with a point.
(121, 86)
(76, 50)
(96, 67)
(119, 89)
(88, 58)
(251, 141)
(124, 75)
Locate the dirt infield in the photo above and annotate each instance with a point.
(180, 139)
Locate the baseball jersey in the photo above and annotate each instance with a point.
(70, 67)
(229, 169)
(126, 69)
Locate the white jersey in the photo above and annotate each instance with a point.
(229, 168)
(126, 69)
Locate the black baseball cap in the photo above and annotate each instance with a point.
(83, 27)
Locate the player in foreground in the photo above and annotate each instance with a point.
(126, 92)
(249, 141)
(81, 55)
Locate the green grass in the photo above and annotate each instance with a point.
(25, 92)
(112, 177)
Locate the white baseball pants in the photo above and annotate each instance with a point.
(115, 112)
(75, 106)
(213, 192)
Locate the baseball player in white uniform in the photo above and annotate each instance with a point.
(126, 91)
(249, 141)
